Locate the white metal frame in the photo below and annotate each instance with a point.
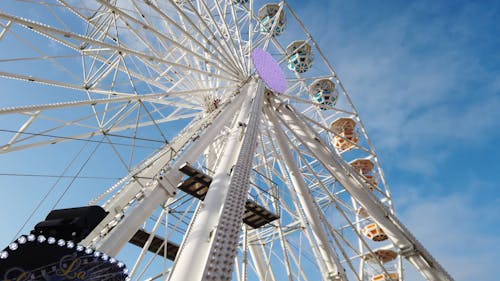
(146, 65)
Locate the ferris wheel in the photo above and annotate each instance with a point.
(235, 150)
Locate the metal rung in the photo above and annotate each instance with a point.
(196, 174)
(256, 215)
(141, 236)
(198, 183)
(194, 188)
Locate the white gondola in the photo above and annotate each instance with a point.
(323, 93)
(268, 15)
(300, 58)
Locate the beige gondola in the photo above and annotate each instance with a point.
(374, 232)
(385, 277)
(382, 255)
(364, 166)
(346, 135)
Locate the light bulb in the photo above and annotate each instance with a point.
(31, 237)
(22, 240)
(13, 246)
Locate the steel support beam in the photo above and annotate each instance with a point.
(261, 261)
(196, 251)
(226, 237)
(408, 245)
(334, 269)
(113, 241)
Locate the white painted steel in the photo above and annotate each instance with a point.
(400, 236)
(334, 270)
(263, 267)
(171, 77)
(195, 249)
(226, 237)
(158, 195)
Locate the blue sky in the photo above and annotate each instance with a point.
(425, 77)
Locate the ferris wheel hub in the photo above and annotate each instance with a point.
(269, 70)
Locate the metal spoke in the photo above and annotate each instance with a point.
(211, 169)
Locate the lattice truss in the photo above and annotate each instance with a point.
(163, 96)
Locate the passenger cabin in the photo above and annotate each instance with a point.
(346, 136)
(385, 277)
(362, 212)
(365, 168)
(382, 255)
(374, 232)
(268, 15)
(300, 58)
(323, 93)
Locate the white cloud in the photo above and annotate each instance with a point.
(416, 75)
(411, 76)
(470, 123)
(457, 231)
(423, 78)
